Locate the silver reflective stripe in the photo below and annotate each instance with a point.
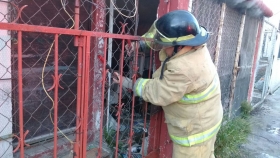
(206, 94)
(140, 86)
(197, 138)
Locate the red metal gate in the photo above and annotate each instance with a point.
(87, 58)
(84, 38)
(63, 102)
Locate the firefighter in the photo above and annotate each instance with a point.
(186, 85)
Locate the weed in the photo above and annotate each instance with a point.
(110, 138)
(232, 134)
(246, 109)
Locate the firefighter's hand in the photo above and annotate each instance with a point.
(130, 48)
(126, 82)
(117, 78)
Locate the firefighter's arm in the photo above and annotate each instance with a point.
(170, 89)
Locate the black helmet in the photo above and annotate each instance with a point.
(179, 27)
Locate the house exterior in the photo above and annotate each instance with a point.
(275, 77)
(57, 99)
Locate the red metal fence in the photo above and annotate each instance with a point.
(63, 100)
(84, 54)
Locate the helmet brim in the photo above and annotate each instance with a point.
(197, 40)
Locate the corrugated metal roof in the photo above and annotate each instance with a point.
(252, 7)
(266, 10)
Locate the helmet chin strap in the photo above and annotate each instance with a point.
(162, 67)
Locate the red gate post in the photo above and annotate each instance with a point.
(97, 48)
(161, 139)
(102, 96)
(255, 60)
(20, 94)
(86, 60)
(78, 130)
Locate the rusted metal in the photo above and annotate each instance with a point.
(236, 66)
(98, 24)
(218, 46)
(102, 96)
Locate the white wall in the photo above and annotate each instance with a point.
(6, 148)
(275, 76)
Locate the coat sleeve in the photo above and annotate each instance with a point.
(174, 85)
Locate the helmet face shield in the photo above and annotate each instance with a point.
(161, 41)
(155, 34)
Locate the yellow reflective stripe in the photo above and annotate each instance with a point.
(140, 86)
(197, 138)
(179, 39)
(206, 94)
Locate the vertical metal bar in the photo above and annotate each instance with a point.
(55, 94)
(136, 18)
(77, 146)
(146, 104)
(155, 122)
(120, 97)
(82, 98)
(20, 94)
(133, 99)
(236, 60)
(110, 47)
(218, 46)
(77, 19)
(102, 96)
(98, 24)
(86, 101)
(255, 60)
(78, 106)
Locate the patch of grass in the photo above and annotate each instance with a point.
(110, 138)
(232, 134)
(246, 109)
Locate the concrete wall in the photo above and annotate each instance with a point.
(6, 148)
(275, 76)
